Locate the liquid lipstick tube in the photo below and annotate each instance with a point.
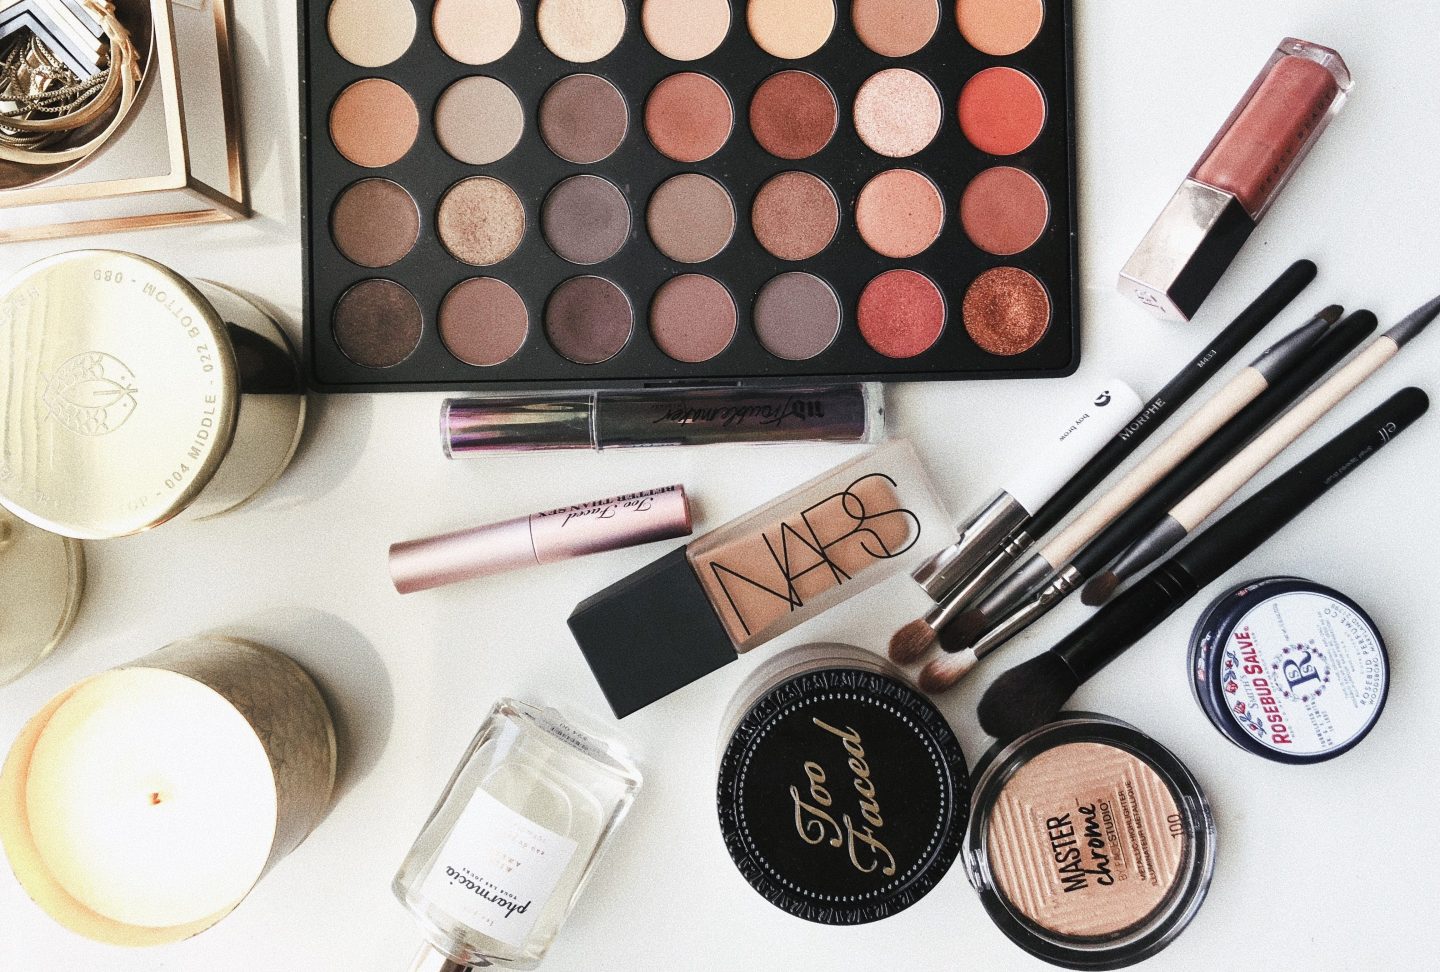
(1237, 179)
(541, 538)
(845, 413)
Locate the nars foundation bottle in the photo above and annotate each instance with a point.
(130, 396)
(842, 791)
(507, 850)
(735, 588)
(1091, 844)
(1239, 176)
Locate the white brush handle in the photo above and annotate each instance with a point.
(1210, 495)
(1238, 392)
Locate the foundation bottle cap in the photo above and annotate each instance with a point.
(119, 393)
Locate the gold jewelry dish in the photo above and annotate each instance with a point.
(157, 143)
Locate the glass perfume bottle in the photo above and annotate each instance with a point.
(506, 851)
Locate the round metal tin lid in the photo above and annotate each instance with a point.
(118, 393)
(843, 796)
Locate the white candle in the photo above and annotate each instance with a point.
(142, 805)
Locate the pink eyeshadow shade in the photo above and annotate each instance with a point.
(901, 313)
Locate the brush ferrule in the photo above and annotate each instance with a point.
(943, 574)
(1019, 619)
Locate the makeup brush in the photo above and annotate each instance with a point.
(945, 575)
(978, 632)
(1196, 508)
(1032, 693)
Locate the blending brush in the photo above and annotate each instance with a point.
(990, 544)
(978, 632)
(1032, 693)
(1210, 495)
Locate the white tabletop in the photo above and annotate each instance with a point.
(1324, 867)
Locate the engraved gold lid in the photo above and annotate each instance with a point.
(118, 393)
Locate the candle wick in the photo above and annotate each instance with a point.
(155, 799)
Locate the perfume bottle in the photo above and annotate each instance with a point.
(506, 851)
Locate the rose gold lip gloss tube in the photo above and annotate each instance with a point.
(1239, 176)
(541, 538)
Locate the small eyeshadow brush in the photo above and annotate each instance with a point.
(978, 632)
(995, 538)
(1210, 495)
(1031, 693)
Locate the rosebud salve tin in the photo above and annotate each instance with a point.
(130, 395)
(1289, 669)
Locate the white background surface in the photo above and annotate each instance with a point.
(1326, 867)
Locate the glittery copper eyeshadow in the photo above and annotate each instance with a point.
(622, 192)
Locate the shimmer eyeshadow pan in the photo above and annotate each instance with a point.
(518, 195)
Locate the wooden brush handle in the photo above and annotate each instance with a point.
(1238, 392)
(1210, 495)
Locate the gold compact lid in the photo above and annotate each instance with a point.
(118, 393)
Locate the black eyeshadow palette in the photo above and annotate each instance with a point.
(614, 193)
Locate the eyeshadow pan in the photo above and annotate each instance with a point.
(1002, 111)
(1004, 210)
(897, 112)
(693, 317)
(691, 218)
(580, 30)
(790, 29)
(480, 221)
(585, 219)
(795, 215)
(685, 30)
(377, 323)
(796, 315)
(478, 120)
(895, 28)
(476, 31)
(373, 123)
(1000, 27)
(688, 117)
(899, 213)
(793, 114)
(371, 33)
(483, 321)
(588, 319)
(583, 118)
(901, 313)
(1006, 310)
(375, 222)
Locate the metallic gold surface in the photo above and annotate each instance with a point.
(42, 578)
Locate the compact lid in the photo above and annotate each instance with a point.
(1289, 669)
(843, 795)
(118, 393)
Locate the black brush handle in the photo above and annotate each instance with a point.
(1174, 395)
(1139, 610)
(1287, 389)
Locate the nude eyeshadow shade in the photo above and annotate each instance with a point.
(1004, 210)
(476, 31)
(375, 223)
(897, 112)
(793, 114)
(588, 319)
(1095, 845)
(374, 123)
(685, 30)
(693, 317)
(895, 28)
(377, 323)
(583, 118)
(371, 33)
(483, 321)
(795, 215)
(688, 117)
(478, 120)
(610, 194)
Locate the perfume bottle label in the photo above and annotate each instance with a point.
(497, 870)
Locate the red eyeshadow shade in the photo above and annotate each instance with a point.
(901, 313)
(1002, 111)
